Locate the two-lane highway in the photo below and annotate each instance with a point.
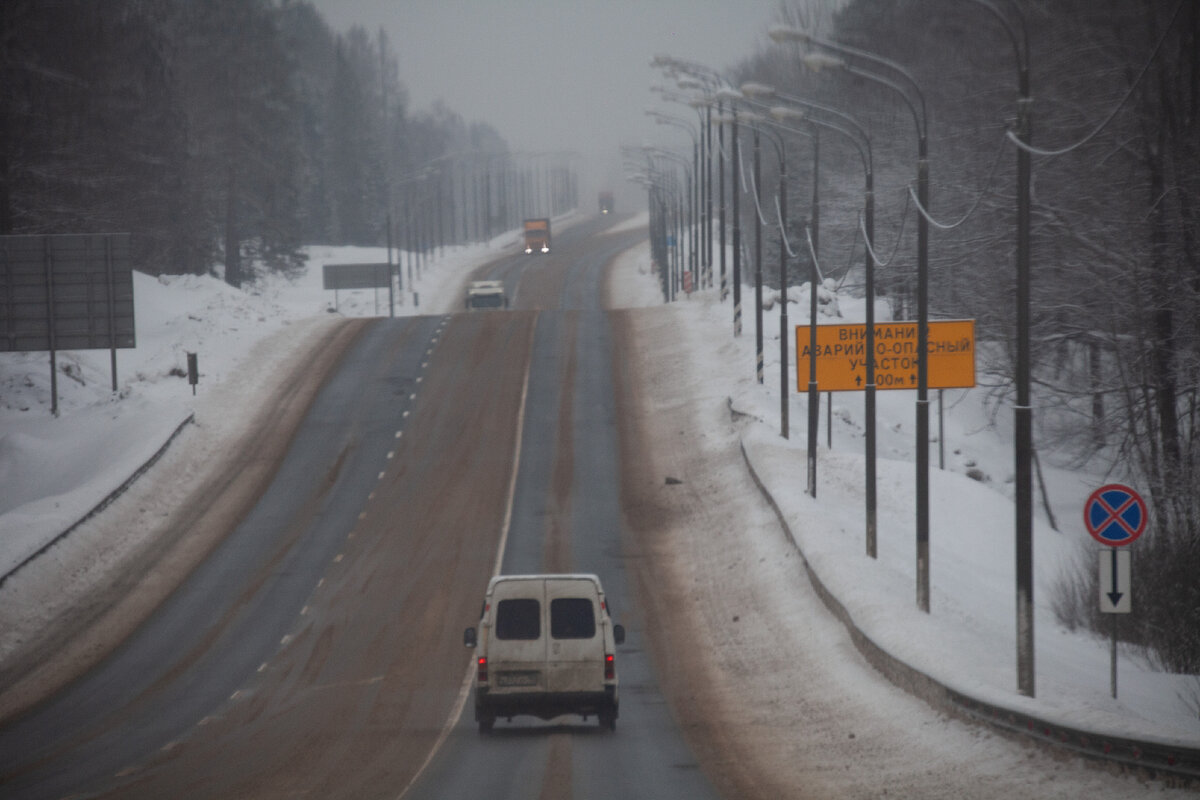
(568, 516)
(317, 651)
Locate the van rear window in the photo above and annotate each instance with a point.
(572, 618)
(520, 618)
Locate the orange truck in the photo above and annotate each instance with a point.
(537, 236)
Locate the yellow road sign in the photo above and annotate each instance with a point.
(842, 356)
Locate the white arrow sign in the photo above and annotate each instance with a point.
(1116, 587)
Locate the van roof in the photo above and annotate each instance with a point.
(546, 576)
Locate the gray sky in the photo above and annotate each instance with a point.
(554, 75)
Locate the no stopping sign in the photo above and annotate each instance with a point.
(1115, 515)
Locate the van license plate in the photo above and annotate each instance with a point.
(517, 679)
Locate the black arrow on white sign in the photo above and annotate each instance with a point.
(1116, 594)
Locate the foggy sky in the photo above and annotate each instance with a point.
(554, 75)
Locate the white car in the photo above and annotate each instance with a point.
(485, 295)
(546, 646)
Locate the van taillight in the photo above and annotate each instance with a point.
(610, 668)
(482, 669)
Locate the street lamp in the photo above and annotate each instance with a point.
(691, 75)
(860, 140)
(733, 96)
(1023, 411)
(689, 183)
(816, 61)
(693, 190)
(781, 114)
(750, 118)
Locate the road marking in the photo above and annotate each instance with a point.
(337, 558)
(399, 434)
(391, 454)
(465, 689)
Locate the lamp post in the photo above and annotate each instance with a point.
(857, 136)
(697, 76)
(694, 197)
(689, 184)
(750, 119)
(787, 34)
(1022, 411)
(703, 176)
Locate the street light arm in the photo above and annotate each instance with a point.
(841, 115)
(783, 33)
(1020, 45)
(918, 120)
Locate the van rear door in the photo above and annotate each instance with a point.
(576, 637)
(518, 653)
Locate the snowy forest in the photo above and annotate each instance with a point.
(1115, 231)
(221, 133)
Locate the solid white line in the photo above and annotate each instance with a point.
(465, 689)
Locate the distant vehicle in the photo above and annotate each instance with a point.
(486, 294)
(545, 646)
(537, 236)
(606, 202)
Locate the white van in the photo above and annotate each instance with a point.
(546, 646)
(485, 295)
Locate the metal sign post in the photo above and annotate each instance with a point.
(1116, 593)
(66, 292)
(1115, 515)
(357, 276)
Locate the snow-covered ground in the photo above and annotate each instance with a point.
(55, 471)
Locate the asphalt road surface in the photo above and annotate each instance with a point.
(316, 651)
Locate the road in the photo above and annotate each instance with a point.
(317, 650)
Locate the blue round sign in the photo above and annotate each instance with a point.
(1115, 515)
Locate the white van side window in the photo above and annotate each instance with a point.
(572, 618)
(520, 618)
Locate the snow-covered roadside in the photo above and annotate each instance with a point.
(968, 641)
(56, 471)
